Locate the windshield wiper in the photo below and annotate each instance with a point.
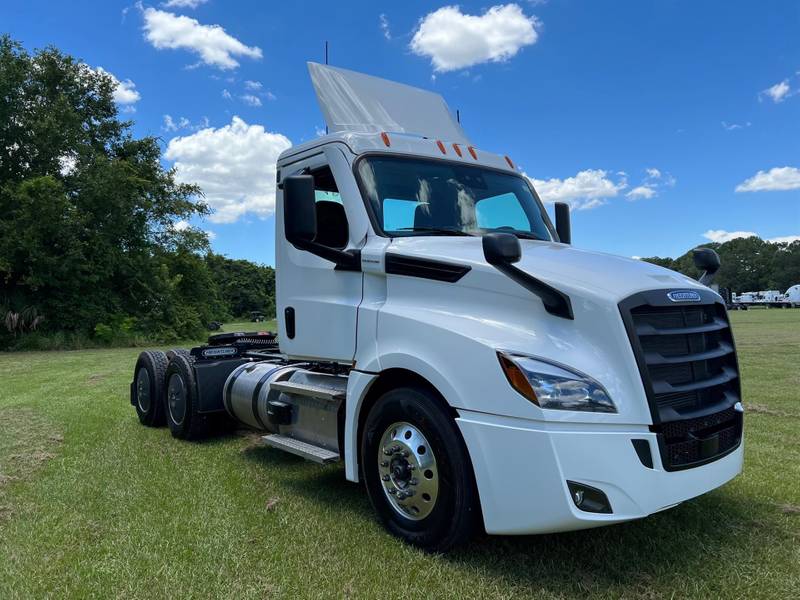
(526, 235)
(437, 230)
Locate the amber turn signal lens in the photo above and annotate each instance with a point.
(517, 379)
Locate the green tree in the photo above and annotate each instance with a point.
(87, 210)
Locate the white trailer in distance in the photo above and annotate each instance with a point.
(441, 337)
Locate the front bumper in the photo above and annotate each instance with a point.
(522, 467)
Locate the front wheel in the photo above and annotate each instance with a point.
(417, 470)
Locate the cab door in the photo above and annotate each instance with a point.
(318, 303)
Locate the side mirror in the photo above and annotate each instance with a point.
(563, 228)
(299, 210)
(501, 248)
(707, 261)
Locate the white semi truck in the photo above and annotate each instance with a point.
(439, 335)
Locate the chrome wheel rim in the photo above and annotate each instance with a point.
(407, 469)
(143, 390)
(176, 398)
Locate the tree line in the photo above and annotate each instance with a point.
(89, 250)
(746, 264)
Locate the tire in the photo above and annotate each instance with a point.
(415, 421)
(181, 400)
(174, 351)
(147, 390)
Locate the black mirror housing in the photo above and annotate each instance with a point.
(706, 260)
(501, 248)
(299, 210)
(563, 227)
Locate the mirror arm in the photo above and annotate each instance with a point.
(555, 302)
(345, 260)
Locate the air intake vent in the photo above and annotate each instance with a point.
(687, 360)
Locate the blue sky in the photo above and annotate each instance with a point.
(647, 116)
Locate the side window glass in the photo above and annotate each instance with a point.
(332, 228)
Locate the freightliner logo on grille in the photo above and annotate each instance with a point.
(684, 296)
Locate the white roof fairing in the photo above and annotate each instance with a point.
(354, 102)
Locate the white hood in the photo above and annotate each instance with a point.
(615, 277)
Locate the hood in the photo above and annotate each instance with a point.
(560, 265)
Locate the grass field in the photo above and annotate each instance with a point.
(94, 505)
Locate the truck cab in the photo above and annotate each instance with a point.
(458, 354)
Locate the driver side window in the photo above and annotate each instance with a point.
(332, 230)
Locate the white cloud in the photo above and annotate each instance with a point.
(234, 165)
(252, 85)
(777, 92)
(181, 225)
(454, 40)
(269, 96)
(587, 189)
(214, 46)
(387, 33)
(211, 235)
(777, 179)
(734, 126)
(720, 235)
(641, 191)
(785, 239)
(250, 100)
(183, 3)
(124, 91)
(653, 173)
(226, 94)
(182, 123)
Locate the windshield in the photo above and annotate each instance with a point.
(430, 197)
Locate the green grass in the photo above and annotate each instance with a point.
(93, 504)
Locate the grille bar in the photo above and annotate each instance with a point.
(656, 358)
(664, 387)
(647, 329)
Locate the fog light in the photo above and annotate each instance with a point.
(589, 499)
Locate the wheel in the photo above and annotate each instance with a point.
(174, 351)
(181, 400)
(417, 470)
(147, 390)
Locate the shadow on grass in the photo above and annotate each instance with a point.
(694, 543)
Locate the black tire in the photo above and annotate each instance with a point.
(181, 400)
(455, 516)
(172, 352)
(147, 390)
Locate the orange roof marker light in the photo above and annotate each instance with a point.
(441, 146)
(457, 149)
(510, 164)
(385, 138)
(472, 152)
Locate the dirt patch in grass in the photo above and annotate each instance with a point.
(761, 409)
(28, 442)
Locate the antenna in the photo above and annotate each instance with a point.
(458, 116)
(326, 62)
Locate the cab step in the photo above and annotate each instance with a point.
(305, 450)
(303, 389)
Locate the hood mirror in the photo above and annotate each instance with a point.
(706, 260)
(563, 227)
(501, 248)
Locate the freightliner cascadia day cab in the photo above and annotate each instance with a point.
(439, 335)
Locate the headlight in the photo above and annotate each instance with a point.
(554, 386)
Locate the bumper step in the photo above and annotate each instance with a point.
(316, 454)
